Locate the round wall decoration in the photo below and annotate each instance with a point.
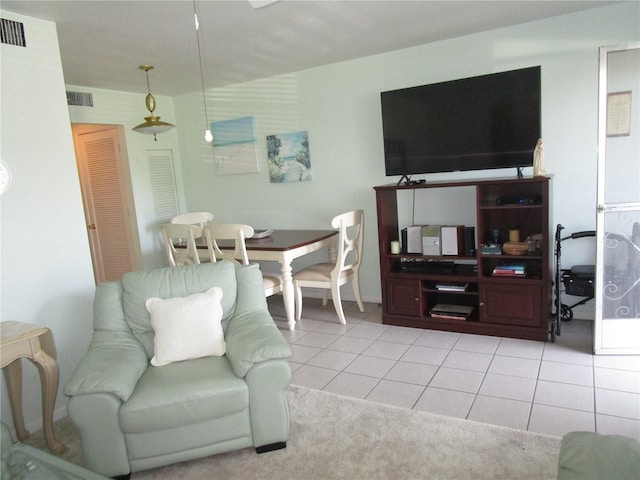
(5, 177)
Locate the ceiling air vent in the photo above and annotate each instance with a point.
(12, 33)
(80, 99)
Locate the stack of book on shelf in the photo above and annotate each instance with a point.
(453, 312)
(452, 287)
(515, 270)
(491, 249)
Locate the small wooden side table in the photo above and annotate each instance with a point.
(25, 340)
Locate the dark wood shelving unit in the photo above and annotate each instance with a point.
(516, 307)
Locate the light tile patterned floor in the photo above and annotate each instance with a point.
(551, 388)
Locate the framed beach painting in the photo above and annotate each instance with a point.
(235, 146)
(289, 158)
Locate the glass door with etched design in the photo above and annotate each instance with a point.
(617, 322)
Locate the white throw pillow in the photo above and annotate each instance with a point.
(187, 327)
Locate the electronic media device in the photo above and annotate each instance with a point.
(484, 122)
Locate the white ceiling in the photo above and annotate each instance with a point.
(102, 43)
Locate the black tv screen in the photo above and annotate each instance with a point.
(485, 122)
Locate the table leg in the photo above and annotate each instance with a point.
(49, 374)
(288, 294)
(13, 378)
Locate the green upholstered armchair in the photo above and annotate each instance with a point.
(134, 416)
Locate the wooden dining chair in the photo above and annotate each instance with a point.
(237, 233)
(346, 268)
(193, 218)
(173, 234)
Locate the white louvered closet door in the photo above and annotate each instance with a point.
(108, 205)
(165, 194)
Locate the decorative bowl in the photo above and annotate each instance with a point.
(515, 248)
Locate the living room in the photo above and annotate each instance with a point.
(47, 276)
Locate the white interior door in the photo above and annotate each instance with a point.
(617, 323)
(108, 201)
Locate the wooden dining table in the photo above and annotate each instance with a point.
(283, 246)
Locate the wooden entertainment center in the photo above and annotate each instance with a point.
(514, 306)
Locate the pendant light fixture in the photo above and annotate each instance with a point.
(207, 132)
(152, 124)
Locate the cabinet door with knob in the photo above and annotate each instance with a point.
(403, 296)
(512, 304)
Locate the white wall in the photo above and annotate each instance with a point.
(46, 275)
(339, 105)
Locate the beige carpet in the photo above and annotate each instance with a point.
(336, 437)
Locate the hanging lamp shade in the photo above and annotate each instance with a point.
(152, 124)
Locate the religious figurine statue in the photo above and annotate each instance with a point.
(538, 160)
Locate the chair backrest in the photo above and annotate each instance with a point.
(350, 226)
(120, 305)
(173, 233)
(193, 218)
(237, 232)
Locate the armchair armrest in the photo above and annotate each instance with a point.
(113, 364)
(252, 337)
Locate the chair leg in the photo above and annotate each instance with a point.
(298, 301)
(325, 297)
(337, 303)
(271, 447)
(356, 292)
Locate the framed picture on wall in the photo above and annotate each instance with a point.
(289, 157)
(235, 146)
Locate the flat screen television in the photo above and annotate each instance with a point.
(485, 122)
